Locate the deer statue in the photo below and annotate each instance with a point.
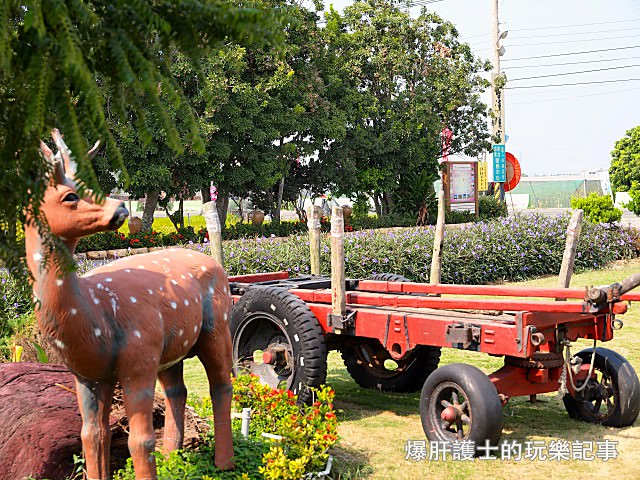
(130, 321)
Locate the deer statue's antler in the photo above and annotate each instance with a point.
(70, 166)
(54, 161)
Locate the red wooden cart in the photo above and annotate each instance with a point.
(392, 330)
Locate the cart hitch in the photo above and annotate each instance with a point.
(463, 336)
(598, 296)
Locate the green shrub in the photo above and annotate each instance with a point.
(597, 208)
(454, 217)
(491, 207)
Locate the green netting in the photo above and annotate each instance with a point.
(556, 194)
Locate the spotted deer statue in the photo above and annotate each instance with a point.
(130, 321)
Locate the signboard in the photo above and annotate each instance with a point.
(514, 173)
(483, 176)
(462, 186)
(499, 163)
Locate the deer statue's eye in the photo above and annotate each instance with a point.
(71, 197)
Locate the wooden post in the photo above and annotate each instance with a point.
(210, 214)
(338, 289)
(438, 240)
(313, 223)
(569, 256)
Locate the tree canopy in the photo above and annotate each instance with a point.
(625, 167)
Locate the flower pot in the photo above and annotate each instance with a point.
(257, 217)
(135, 225)
(118, 253)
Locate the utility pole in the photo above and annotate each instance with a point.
(497, 87)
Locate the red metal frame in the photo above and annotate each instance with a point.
(402, 315)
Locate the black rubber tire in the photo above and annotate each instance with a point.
(365, 360)
(478, 399)
(267, 316)
(617, 389)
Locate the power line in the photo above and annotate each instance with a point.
(571, 53)
(575, 73)
(556, 42)
(554, 27)
(575, 83)
(578, 33)
(574, 63)
(599, 94)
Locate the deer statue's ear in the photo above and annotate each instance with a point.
(70, 166)
(55, 161)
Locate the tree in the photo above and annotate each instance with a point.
(60, 61)
(410, 79)
(625, 167)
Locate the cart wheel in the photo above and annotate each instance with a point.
(459, 402)
(276, 337)
(612, 397)
(371, 366)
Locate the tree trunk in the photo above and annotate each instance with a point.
(276, 214)
(376, 203)
(206, 195)
(150, 204)
(222, 205)
(388, 203)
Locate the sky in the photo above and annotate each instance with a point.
(552, 128)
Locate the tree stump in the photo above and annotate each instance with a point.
(40, 423)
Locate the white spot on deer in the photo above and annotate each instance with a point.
(180, 332)
(96, 301)
(224, 289)
(197, 300)
(302, 361)
(286, 322)
(186, 303)
(37, 257)
(97, 332)
(99, 286)
(155, 262)
(73, 311)
(166, 259)
(141, 267)
(127, 270)
(114, 305)
(160, 315)
(133, 299)
(296, 337)
(183, 277)
(174, 305)
(225, 316)
(174, 282)
(161, 289)
(59, 344)
(211, 290)
(137, 333)
(273, 307)
(186, 342)
(195, 328)
(203, 268)
(108, 279)
(60, 282)
(189, 255)
(190, 275)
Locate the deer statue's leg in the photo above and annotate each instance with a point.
(176, 398)
(215, 355)
(138, 403)
(94, 401)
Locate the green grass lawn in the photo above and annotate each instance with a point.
(375, 427)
